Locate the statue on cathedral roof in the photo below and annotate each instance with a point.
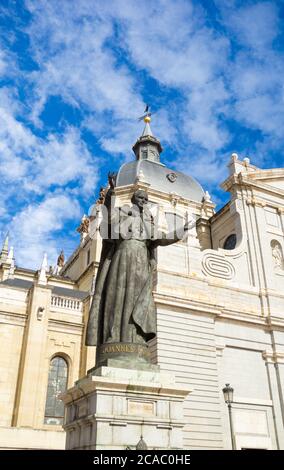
(101, 198)
(84, 226)
(61, 259)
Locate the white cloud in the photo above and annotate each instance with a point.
(3, 65)
(201, 121)
(33, 166)
(37, 163)
(3, 210)
(204, 162)
(65, 159)
(255, 25)
(70, 48)
(34, 229)
(125, 133)
(171, 41)
(81, 51)
(262, 112)
(256, 73)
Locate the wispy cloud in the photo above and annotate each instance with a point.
(75, 62)
(257, 68)
(37, 228)
(75, 78)
(33, 171)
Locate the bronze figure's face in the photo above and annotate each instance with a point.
(140, 198)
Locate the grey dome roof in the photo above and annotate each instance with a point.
(157, 175)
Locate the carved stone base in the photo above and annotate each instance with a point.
(115, 407)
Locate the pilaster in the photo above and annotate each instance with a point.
(29, 402)
(271, 362)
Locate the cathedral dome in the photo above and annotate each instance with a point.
(149, 169)
(160, 178)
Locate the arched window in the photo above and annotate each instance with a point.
(57, 384)
(230, 242)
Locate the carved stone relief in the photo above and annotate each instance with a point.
(216, 265)
(277, 255)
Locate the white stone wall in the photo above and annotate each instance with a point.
(186, 346)
(243, 365)
(10, 354)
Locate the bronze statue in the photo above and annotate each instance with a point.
(123, 309)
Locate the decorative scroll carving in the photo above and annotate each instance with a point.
(217, 265)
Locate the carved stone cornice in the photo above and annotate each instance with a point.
(251, 180)
(174, 198)
(141, 184)
(255, 202)
(202, 224)
(195, 305)
(273, 357)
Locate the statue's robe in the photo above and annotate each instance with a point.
(123, 308)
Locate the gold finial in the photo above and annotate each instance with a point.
(146, 116)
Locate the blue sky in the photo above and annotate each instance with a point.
(76, 74)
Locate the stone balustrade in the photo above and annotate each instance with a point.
(66, 303)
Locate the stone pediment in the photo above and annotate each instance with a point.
(273, 177)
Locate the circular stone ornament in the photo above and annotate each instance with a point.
(172, 177)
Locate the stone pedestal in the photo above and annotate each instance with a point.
(112, 407)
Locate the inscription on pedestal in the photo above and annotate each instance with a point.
(125, 348)
(128, 352)
(144, 408)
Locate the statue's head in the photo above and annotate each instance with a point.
(140, 198)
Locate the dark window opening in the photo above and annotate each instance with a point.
(230, 242)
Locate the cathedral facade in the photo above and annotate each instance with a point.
(219, 296)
